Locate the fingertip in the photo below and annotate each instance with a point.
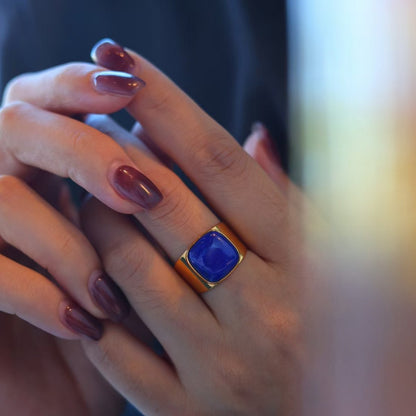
(261, 148)
(259, 144)
(98, 44)
(110, 54)
(133, 186)
(108, 296)
(117, 83)
(250, 145)
(79, 321)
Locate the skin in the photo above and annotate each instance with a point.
(42, 373)
(237, 349)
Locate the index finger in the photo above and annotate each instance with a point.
(74, 88)
(213, 160)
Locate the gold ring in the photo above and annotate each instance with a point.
(211, 258)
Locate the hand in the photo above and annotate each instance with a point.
(236, 349)
(51, 275)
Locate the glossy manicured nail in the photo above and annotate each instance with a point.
(108, 53)
(108, 296)
(133, 185)
(81, 322)
(117, 83)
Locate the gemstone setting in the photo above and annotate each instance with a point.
(213, 256)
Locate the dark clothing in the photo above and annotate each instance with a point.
(228, 55)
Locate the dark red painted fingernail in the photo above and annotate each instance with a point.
(81, 322)
(108, 53)
(108, 296)
(133, 185)
(259, 128)
(117, 83)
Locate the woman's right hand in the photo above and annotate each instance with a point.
(51, 276)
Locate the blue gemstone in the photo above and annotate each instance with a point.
(213, 256)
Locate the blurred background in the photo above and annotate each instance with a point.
(352, 91)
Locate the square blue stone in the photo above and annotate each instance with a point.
(213, 256)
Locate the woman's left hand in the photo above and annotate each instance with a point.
(236, 349)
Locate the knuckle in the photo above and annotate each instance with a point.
(220, 157)
(69, 248)
(12, 113)
(152, 298)
(234, 376)
(159, 104)
(104, 353)
(132, 265)
(129, 263)
(67, 244)
(284, 328)
(78, 143)
(78, 140)
(11, 91)
(173, 212)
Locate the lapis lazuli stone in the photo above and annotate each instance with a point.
(213, 256)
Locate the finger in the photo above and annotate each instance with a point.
(55, 244)
(74, 88)
(175, 224)
(175, 315)
(260, 147)
(143, 378)
(166, 304)
(32, 297)
(212, 159)
(105, 124)
(181, 217)
(30, 136)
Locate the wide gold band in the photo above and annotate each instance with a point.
(199, 283)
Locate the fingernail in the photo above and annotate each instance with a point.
(133, 185)
(117, 83)
(108, 53)
(81, 322)
(264, 135)
(108, 296)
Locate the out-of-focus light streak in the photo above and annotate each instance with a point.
(353, 123)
